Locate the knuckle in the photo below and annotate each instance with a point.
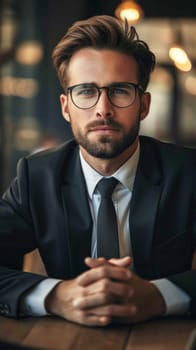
(103, 272)
(105, 285)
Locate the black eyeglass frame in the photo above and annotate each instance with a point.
(99, 88)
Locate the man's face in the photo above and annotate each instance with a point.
(104, 130)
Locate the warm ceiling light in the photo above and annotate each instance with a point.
(29, 52)
(180, 58)
(129, 10)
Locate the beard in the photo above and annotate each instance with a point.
(106, 147)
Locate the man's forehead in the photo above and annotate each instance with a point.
(99, 63)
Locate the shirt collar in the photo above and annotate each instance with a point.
(125, 174)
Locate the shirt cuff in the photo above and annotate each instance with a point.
(34, 300)
(176, 300)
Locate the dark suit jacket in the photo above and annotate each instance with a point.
(46, 206)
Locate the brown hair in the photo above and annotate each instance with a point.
(103, 32)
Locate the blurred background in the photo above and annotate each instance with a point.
(30, 115)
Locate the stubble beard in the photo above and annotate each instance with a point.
(106, 147)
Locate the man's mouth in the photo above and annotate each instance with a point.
(103, 128)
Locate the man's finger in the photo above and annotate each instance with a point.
(104, 272)
(124, 262)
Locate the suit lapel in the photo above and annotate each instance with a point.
(144, 205)
(77, 215)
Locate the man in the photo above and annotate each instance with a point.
(53, 203)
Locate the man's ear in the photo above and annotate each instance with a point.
(64, 107)
(145, 105)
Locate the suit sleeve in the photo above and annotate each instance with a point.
(17, 237)
(187, 280)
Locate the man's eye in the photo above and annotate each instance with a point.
(119, 91)
(86, 92)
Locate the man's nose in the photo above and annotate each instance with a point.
(104, 108)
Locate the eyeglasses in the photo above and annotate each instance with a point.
(120, 95)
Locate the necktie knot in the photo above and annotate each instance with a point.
(106, 186)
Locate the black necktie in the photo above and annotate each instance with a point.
(107, 230)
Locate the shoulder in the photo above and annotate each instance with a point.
(166, 150)
(166, 158)
(56, 154)
(51, 161)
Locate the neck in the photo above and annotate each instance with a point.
(107, 167)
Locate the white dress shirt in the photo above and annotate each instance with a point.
(176, 300)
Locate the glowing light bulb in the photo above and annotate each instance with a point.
(129, 10)
(130, 15)
(180, 58)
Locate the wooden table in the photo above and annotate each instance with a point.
(57, 334)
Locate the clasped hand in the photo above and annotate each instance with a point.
(108, 292)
